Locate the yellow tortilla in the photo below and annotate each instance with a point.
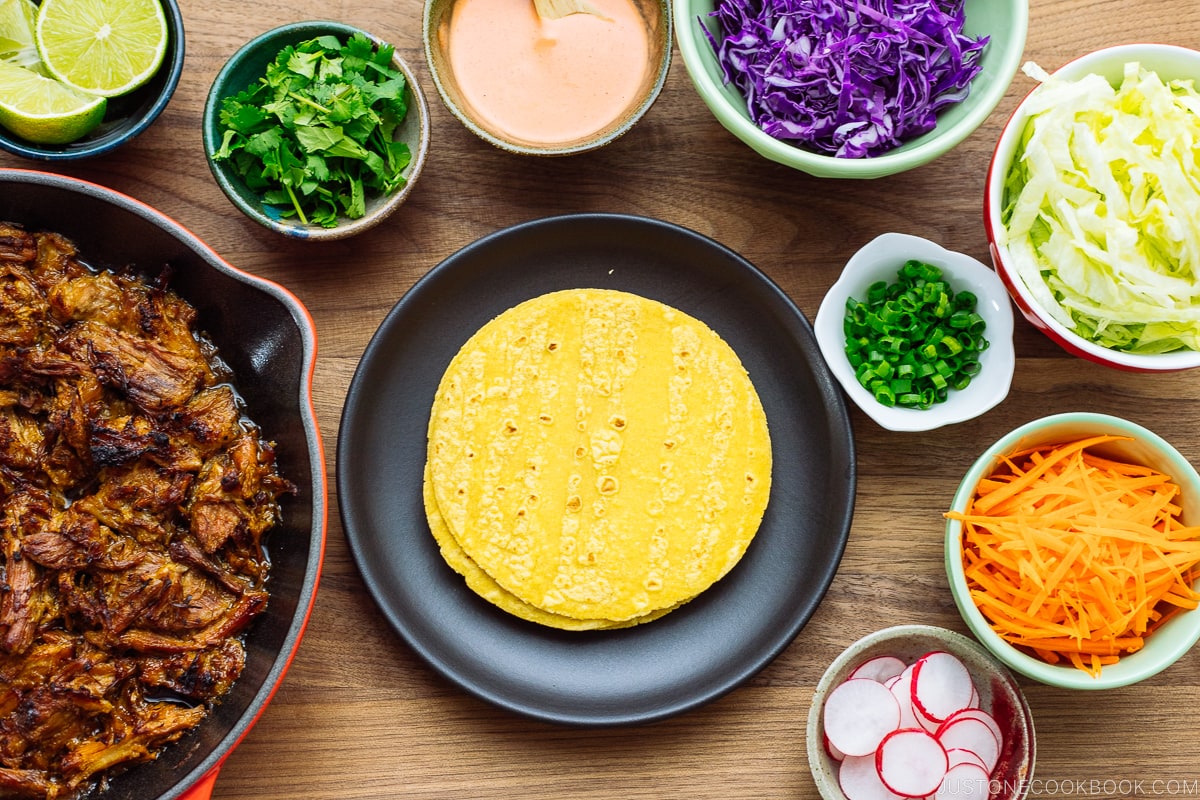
(482, 584)
(599, 455)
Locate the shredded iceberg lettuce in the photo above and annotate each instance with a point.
(1102, 208)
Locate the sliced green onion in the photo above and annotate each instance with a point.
(914, 340)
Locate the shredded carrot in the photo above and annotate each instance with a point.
(1076, 557)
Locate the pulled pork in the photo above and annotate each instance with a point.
(134, 496)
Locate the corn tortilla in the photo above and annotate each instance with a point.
(482, 584)
(599, 455)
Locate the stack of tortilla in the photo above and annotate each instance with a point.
(596, 459)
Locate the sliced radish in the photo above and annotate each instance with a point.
(982, 716)
(833, 752)
(858, 714)
(911, 762)
(959, 755)
(969, 733)
(923, 720)
(941, 685)
(964, 781)
(911, 732)
(859, 780)
(879, 668)
(902, 689)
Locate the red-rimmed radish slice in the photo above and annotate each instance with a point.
(964, 781)
(982, 716)
(970, 733)
(859, 780)
(858, 714)
(879, 668)
(833, 752)
(959, 755)
(911, 762)
(902, 688)
(942, 684)
(890, 682)
(923, 721)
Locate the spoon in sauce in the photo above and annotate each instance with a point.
(554, 9)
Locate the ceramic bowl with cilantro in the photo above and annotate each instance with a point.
(316, 130)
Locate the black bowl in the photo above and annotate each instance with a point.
(127, 115)
(268, 339)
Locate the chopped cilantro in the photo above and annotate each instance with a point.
(314, 135)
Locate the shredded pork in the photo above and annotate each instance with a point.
(134, 496)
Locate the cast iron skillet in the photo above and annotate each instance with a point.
(266, 335)
(597, 678)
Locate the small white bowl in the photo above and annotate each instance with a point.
(880, 260)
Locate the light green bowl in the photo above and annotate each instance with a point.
(1165, 645)
(1005, 21)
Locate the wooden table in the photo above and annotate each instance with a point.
(361, 716)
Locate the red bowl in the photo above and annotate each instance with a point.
(268, 338)
(1169, 62)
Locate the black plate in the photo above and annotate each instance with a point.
(647, 672)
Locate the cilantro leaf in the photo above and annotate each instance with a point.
(314, 139)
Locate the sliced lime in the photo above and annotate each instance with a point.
(16, 32)
(44, 111)
(102, 47)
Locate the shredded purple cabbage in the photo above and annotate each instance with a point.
(845, 78)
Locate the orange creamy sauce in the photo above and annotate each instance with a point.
(547, 81)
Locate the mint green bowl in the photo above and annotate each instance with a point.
(1005, 21)
(1164, 646)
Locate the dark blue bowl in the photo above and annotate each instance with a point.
(126, 116)
(243, 69)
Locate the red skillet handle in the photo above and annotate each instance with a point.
(202, 789)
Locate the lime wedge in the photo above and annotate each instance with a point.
(17, 28)
(44, 111)
(102, 47)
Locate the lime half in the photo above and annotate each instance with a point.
(43, 110)
(102, 47)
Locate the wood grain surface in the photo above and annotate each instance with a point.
(361, 716)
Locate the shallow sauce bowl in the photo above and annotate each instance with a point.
(436, 32)
(1005, 21)
(999, 695)
(266, 336)
(125, 117)
(880, 260)
(1165, 645)
(245, 67)
(1170, 62)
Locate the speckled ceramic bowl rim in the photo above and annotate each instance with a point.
(880, 259)
(299, 31)
(607, 137)
(87, 148)
(977, 659)
(701, 66)
(1105, 60)
(1166, 645)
